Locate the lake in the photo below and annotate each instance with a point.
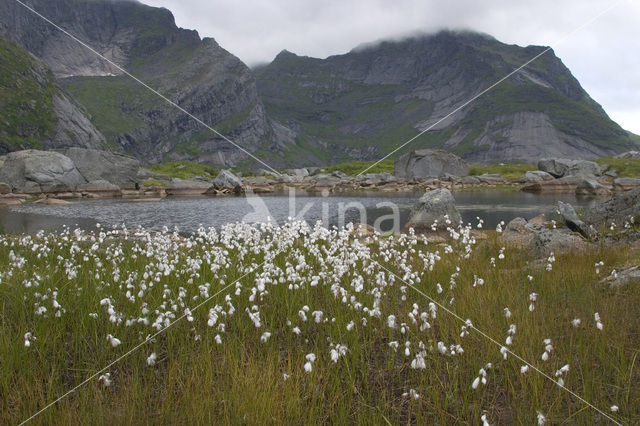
(187, 214)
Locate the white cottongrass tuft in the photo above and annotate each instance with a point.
(151, 360)
(105, 379)
(541, 419)
(265, 336)
(113, 341)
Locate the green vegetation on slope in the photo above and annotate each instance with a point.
(26, 92)
(115, 103)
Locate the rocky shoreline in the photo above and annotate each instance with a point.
(55, 177)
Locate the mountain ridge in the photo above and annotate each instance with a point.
(438, 73)
(301, 111)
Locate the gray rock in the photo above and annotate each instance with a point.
(339, 174)
(100, 187)
(374, 179)
(574, 223)
(517, 233)
(619, 209)
(537, 176)
(557, 241)
(300, 173)
(93, 164)
(436, 205)
(429, 163)
(4, 188)
(33, 171)
(469, 180)
(624, 184)
(592, 187)
(561, 167)
(226, 179)
(324, 180)
(622, 278)
(631, 155)
(180, 187)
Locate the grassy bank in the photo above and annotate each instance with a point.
(625, 167)
(297, 325)
(184, 169)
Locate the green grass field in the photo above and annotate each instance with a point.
(296, 325)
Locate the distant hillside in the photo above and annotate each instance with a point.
(196, 73)
(363, 104)
(34, 112)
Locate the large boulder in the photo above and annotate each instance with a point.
(187, 188)
(537, 176)
(561, 167)
(94, 165)
(517, 233)
(591, 187)
(33, 171)
(425, 163)
(624, 184)
(621, 208)
(574, 223)
(227, 180)
(433, 210)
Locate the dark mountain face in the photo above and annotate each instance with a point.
(363, 104)
(301, 111)
(199, 75)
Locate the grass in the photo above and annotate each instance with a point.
(121, 284)
(513, 171)
(184, 169)
(624, 166)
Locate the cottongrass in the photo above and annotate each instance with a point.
(246, 320)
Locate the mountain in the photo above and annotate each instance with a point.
(196, 73)
(363, 104)
(34, 111)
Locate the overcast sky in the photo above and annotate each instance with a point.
(604, 55)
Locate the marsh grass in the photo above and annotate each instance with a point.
(241, 380)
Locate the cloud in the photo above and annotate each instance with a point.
(603, 55)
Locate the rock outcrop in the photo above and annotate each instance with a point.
(390, 91)
(206, 80)
(435, 210)
(562, 167)
(96, 165)
(540, 240)
(429, 163)
(574, 223)
(36, 111)
(227, 180)
(33, 171)
(623, 207)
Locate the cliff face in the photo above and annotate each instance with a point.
(363, 104)
(198, 74)
(35, 113)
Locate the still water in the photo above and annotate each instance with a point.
(187, 214)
